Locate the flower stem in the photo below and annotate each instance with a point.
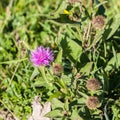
(42, 70)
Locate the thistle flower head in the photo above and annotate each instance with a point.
(41, 56)
(57, 69)
(93, 84)
(98, 22)
(92, 102)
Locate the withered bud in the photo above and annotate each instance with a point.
(57, 69)
(78, 75)
(92, 102)
(65, 113)
(98, 22)
(93, 84)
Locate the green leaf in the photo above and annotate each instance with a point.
(115, 23)
(34, 74)
(59, 57)
(40, 83)
(81, 100)
(54, 114)
(75, 48)
(55, 95)
(113, 62)
(75, 115)
(87, 68)
(60, 9)
(57, 103)
(105, 112)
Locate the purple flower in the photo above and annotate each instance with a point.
(41, 56)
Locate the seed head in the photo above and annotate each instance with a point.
(57, 69)
(92, 102)
(93, 84)
(98, 22)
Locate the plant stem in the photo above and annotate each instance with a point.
(7, 108)
(42, 70)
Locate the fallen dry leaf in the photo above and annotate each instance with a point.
(39, 111)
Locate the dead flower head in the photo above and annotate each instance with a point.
(93, 84)
(98, 22)
(92, 102)
(57, 69)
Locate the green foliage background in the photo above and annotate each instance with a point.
(27, 24)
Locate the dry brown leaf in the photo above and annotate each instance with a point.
(39, 111)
